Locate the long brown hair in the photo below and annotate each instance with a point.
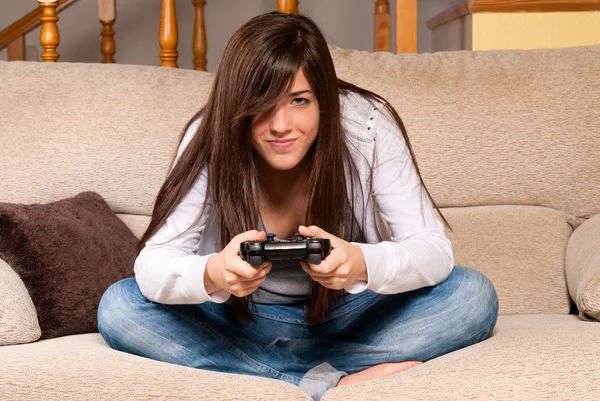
(257, 68)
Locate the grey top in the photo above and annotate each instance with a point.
(286, 283)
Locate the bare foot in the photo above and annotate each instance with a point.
(378, 371)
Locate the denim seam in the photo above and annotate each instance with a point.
(276, 374)
(310, 376)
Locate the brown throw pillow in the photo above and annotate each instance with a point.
(67, 254)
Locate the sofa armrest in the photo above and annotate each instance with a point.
(582, 266)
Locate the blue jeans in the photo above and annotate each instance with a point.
(363, 330)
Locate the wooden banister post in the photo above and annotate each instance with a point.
(383, 30)
(406, 26)
(167, 35)
(106, 16)
(49, 37)
(287, 6)
(199, 43)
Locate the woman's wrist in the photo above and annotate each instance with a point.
(209, 284)
(364, 275)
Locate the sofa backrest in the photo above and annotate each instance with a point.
(114, 129)
(517, 127)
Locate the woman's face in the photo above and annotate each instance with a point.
(283, 135)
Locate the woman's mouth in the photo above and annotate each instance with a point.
(282, 144)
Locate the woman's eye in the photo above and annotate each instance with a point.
(300, 101)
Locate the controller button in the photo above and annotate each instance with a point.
(256, 260)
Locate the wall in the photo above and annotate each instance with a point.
(346, 23)
(535, 30)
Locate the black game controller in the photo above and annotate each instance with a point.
(313, 250)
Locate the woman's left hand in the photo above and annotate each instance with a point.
(344, 265)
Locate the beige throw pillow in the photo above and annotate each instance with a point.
(583, 268)
(18, 318)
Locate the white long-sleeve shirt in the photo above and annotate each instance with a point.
(418, 254)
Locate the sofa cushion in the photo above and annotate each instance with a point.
(527, 357)
(67, 253)
(583, 268)
(84, 367)
(18, 318)
(521, 249)
(137, 224)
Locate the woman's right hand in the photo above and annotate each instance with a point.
(227, 270)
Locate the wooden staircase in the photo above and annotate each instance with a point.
(13, 37)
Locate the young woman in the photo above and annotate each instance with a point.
(284, 146)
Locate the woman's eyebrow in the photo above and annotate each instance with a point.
(299, 92)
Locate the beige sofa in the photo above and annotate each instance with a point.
(507, 141)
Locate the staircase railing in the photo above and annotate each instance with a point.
(13, 37)
(46, 14)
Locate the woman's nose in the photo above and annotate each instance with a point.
(280, 122)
